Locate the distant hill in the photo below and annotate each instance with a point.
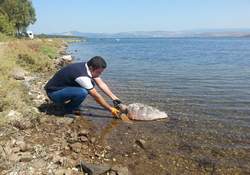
(159, 34)
(58, 36)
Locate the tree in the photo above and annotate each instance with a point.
(20, 13)
(6, 26)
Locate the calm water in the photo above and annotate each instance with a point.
(186, 77)
(204, 86)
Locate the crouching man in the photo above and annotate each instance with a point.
(71, 85)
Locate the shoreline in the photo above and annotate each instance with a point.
(36, 142)
(24, 140)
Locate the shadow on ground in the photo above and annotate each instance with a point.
(84, 110)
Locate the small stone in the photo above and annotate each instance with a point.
(76, 147)
(83, 132)
(93, 140)
(106, 159)
(94, 169)
(112, 173)
(22, 124)
(83, 139)
(15, 150)
(14, 116)
(75, 169)
(120, 170)
(19, 73)
(85, 147)
(63, 171)
(141, 143)
(67, 58)
(24, 147)
(108, 148)
(57, 159)
(26, 157)
(73, 138)
(13, 157)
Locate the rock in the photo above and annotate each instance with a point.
(19, 73)
(67, 58)
(39, 164)
(13, 157)
(93, 169)
(73, 138)
(141, 143)
(57, 159)
(66, 120)
(22, 125)
(35, 110)
(64, 60)
(93, 140)
(62, 161)
(138, 111)
(63, 171)
(83, 138)
(62, 52)
(25, 157)
(112, 173)
(120, 170)
(23, 147)
(14, 116)
(15, 150)
(76, 147)
(83, 132)
(84, 147)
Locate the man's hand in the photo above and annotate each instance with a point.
(115, 112)
(116, 102)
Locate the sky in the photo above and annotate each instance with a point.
(112, 16)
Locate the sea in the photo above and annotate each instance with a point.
(189, 77)
(203, 84)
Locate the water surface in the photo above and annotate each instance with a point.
(202, 83)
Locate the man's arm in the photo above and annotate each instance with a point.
(99, 99)
(85, 82)
(104, 87)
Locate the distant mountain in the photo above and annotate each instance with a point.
(160, 34)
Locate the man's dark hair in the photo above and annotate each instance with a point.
(97, 62)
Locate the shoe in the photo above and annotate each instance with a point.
(77, 112)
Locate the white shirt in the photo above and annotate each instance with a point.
(85, 81)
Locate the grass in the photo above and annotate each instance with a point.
(4, 38)
(34, 56)
(47, 50)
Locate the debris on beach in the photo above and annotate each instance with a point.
(139, 111)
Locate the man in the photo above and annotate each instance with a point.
(71, 85)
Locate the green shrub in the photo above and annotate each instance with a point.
(24, 59)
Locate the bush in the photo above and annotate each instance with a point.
(24, 59)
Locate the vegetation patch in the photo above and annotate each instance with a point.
(50, 51)
(31, 57)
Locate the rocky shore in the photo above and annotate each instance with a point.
(35, 138)
(46, 142)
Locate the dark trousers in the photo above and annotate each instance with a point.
(69, 97)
